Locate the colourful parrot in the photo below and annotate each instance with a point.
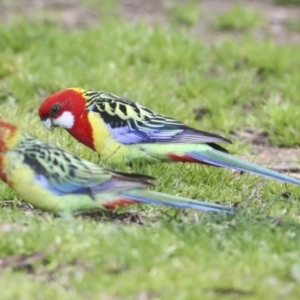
(58, 181)
(121, 130)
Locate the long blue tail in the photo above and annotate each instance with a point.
(222, 159)
(152, 197)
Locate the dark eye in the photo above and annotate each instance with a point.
(54, 109)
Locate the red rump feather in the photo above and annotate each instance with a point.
(186, 158)
(119, 202)
(7, 130)
(2, 174)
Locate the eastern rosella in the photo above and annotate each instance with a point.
(58, 181)
(122, 130)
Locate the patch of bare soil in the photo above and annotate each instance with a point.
(256, 136)
(10, 227)
(229, 291)
(75, 13)
(275, 16)
(284, 160)
(127, 217)
(71, 13)
(21, 261)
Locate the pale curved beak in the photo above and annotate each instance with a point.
(47, 123)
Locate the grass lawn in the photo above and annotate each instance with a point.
(150, 252)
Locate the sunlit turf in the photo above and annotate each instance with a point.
(176, 254)
(186, 14)
(238, 17)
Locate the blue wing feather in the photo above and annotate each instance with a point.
(130, 122)
(61, 188)
(62, 172)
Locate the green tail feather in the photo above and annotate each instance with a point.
(221, 159)
(152, 197)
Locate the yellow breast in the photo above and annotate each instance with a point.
(109, 148)
(22, 179)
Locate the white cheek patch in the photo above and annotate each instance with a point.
(66, 120)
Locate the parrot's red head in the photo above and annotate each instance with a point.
(9, 135)
(67, 109)
(63, 108)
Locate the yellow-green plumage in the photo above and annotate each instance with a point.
(121, 130)
(58, 181)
